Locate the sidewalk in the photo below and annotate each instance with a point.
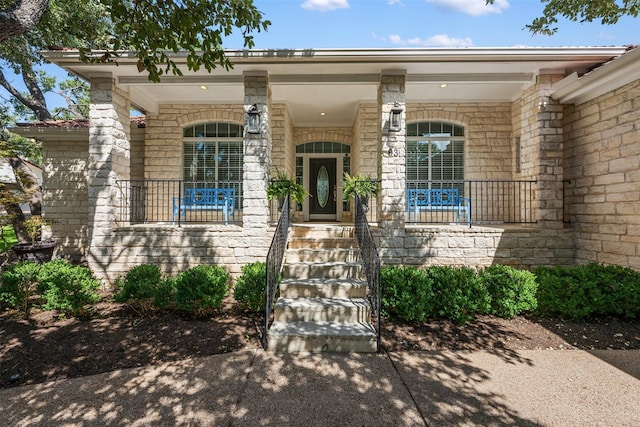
(252, 388)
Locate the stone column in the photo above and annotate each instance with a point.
(391, 155)
(542, 149)
(109, 161)
(257, 155)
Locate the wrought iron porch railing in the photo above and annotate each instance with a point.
(371, 262)
(487, 201)
(275, 258)
(152, 201)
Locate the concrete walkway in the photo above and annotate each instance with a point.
(253, 388)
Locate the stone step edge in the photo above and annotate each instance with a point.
(323, 302)
(321, 329)
(291, 281)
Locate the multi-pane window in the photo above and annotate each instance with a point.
(435, 152)
(213, 152)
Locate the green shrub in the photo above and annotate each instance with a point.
(567, 292)
(249, 289)
(19, 285)
(201, 288)
(459, 294)
(619, 287)
(512, 291)
(165, 293)
(67, 288)
(588, 290)
(406, 292)
(140, 286)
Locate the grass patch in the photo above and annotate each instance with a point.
(7, 237)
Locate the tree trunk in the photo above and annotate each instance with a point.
(27, 185)
(28, 181)
(21, 17)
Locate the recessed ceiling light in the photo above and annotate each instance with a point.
(323, 113)
(203, 87)
(443, 85)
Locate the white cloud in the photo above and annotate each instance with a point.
(439, 40)
(472, 7)
(325, 5)
(392, 2)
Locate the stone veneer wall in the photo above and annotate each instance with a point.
(366, 160)
(172, 248)
(478, 247)
(488, 134)
(163, 145)
(283, 153)
(65, 191)
(602, 162)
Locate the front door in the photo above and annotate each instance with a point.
(322, 187)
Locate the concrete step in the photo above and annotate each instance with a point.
(322, 337)
(323, 288)
(348, 310)
(327, 270)
(319, 243)
(322, 255)
(322, 231)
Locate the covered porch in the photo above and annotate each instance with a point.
(469, 163)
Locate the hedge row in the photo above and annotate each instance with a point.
(459, 293)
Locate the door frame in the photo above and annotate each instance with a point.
(307, 175)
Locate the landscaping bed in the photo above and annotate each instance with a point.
(45, 347)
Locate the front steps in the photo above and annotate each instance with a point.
(323, 305)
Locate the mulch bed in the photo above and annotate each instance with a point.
(44, 347)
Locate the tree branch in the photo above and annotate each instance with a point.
(21, 17)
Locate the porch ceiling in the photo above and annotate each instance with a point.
(334, 82)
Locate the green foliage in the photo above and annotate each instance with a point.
(155, 30)
(141, 286)
(459, 294)
(406, 292)
(281, 183)
(7, 238)
(138, 284)
(201, 288)
(19, 284)
(361, 184)
(590, 290)
(249, 289)
(512, 291)
(607, 11)
(67, 288)
(165, 293)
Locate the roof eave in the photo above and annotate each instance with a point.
(610, 76)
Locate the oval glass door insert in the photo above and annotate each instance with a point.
(322, 186)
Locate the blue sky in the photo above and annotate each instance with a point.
(422, 23)
(412, 24)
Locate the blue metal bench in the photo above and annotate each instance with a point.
(205, 199)
(437, 199)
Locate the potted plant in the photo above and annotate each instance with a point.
(280, 184)
(37, 250)
(362, 185)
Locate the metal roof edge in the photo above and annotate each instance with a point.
(616, 73)
(378, 54)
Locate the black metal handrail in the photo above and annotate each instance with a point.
(149, 201)
(275, 258)
(482, 201)
(371, 262)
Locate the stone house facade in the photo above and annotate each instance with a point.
(562, 119)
